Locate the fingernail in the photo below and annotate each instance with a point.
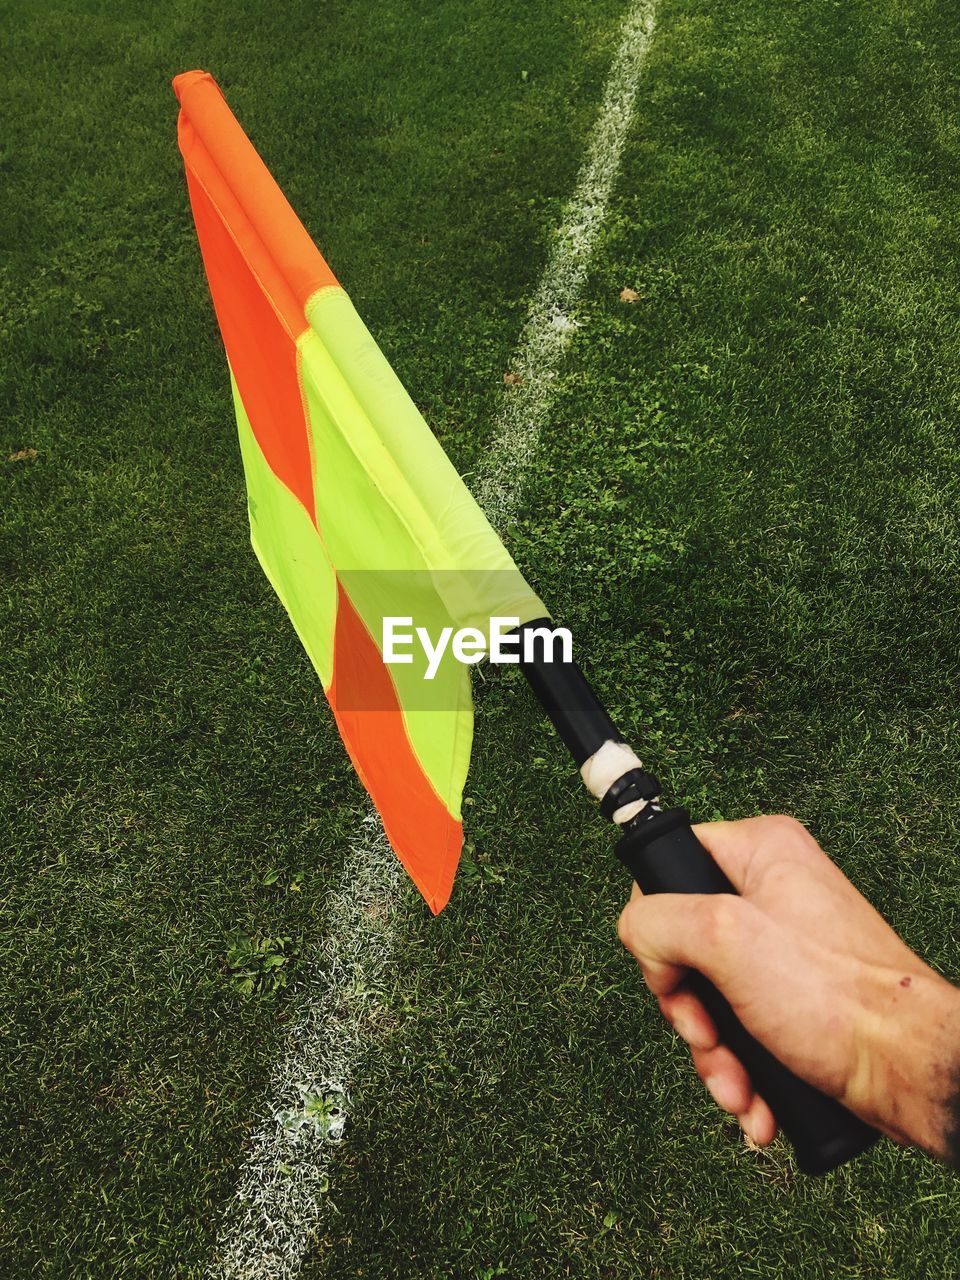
(751, 1128)
(746, 1124)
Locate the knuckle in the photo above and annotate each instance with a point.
(786, 830)
(721, 921)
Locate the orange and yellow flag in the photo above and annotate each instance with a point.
(356, 514)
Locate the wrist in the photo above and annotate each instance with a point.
(908, 1077)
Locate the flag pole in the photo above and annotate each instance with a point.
(660, 849)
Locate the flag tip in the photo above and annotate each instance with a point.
(185, 79)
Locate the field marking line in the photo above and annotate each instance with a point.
(272, 1219)
(550, 324)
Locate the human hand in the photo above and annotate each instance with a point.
(816, 975)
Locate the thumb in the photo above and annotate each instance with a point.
(671, 932)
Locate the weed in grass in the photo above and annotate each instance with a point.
(261, 965)
(321, 1113)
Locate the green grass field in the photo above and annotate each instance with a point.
(746, 507)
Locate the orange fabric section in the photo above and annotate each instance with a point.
(206, 117)
(426, 839)
(261, 351)
(202, 170)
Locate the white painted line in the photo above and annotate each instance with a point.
(271, 1221)
(550, 322)
(274, 1213)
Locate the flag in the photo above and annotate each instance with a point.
(356, 514)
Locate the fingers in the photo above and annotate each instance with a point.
(664, 938)
(714, 933)
(723, 1074)
(661, 976)
(725, 1078)
(732, 1091)
(720, 1070)
(758, 1122)
(717, 935)
(685, 1013)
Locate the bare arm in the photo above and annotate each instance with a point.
(846, 1005)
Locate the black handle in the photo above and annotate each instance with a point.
(664, 856)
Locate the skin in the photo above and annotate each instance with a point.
(816, 974)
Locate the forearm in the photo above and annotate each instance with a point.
(909, 1082)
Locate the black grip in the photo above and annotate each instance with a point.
(664, 856)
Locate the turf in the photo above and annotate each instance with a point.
(746, 507)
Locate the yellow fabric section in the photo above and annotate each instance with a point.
(405, 534)
(384, 573)
(409, 470)
(290, 551)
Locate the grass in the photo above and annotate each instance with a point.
(746, 507)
